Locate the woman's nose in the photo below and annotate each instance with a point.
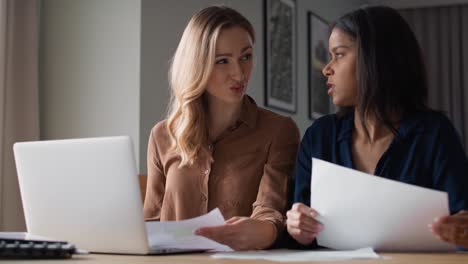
(327, 70)
(237, 72)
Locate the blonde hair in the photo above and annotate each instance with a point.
(190, 70)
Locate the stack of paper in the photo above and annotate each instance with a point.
(293, 256)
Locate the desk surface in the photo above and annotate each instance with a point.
(390, 258)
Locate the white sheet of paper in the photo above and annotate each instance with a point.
(296, 256)
(179, 234)
(361, 210)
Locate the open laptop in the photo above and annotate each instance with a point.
(84, 191)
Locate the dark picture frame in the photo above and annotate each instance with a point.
(280, 55)
(318, 32)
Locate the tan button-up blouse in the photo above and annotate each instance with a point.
(248, 177)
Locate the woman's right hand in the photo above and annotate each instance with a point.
(301, 223)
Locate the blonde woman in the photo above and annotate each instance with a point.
(217, 148)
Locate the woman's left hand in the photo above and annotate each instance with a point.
(452, 228)
(241, 233)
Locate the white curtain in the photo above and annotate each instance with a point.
(19, 100)
(443, 35)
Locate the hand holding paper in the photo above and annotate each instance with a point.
(179, 234)
(452, 228)
(242, 233)
(301, 223)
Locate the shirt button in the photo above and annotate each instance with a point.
(204, 199)
(207, 172)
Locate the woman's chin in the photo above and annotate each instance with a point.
(341, 103)
(337, 102)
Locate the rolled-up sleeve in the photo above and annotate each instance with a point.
(271, 201)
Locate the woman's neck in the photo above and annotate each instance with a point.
(221, 116)
(376, 130)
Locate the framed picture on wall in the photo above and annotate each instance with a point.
(318, 32)
(280, 55)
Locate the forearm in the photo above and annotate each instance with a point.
(269, 233)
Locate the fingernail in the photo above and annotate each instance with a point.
(436, 219)
(430, 226)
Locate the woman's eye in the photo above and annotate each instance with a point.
(339, 55)
(222, 61)
(246, 57)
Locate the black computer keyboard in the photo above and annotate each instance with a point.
(35, 249)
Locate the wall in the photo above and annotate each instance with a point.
(162, 29)
(90, 68)
(90, 63)
(416, 3)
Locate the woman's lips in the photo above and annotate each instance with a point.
(331, 87)
(238, 88)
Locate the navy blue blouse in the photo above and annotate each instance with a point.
(426, 151)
